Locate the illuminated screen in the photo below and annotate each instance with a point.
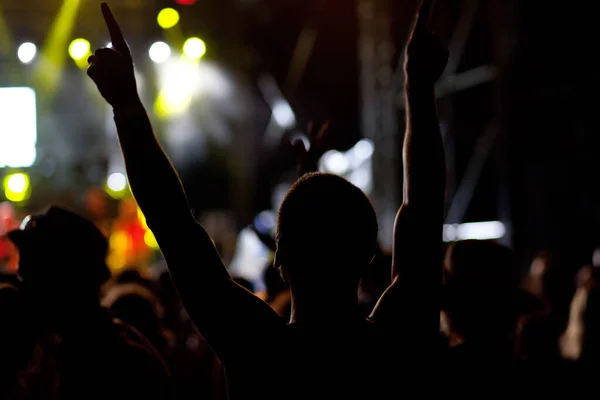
(18, 127)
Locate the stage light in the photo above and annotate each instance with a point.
(185, 2)
(150, 240)
(159, 52)
(116, 184)
(364, 149)
(335, 162)
(283, 114)
(194, 48)
(142, 218)
(487, 230)
(79, 49)
(167, 18)
(26, 52)
(17, 187)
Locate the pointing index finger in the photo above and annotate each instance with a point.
(116, 36)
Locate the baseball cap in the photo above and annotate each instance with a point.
(76, 239)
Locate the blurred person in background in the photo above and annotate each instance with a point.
(136, 276)
(135, 305)
(541, 333)
(580, 344)
(9, 256)
(197, 372)
(483, 304)
(81, 349)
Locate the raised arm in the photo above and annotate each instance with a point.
(416, 265)
(218, 306)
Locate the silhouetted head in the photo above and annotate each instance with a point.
(61, 257)
(135, 305)
(326, 234)
(133, 275)
(482, 293)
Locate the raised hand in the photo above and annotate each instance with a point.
(319, 142)
(426, 57)
(112, 68)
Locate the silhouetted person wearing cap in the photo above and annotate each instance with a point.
(327, 237)
(83, 352)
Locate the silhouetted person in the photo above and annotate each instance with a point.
(327, 236)
(17, 339)
(484, 303)
(540, 333)
(137, 306)
(132, 275)
(83, 352)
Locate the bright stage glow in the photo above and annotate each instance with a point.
(18, 127)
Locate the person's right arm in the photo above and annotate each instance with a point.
(411, 302)
(220, 308)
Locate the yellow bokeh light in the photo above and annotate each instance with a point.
(79, 49)
(150, 240)
(194, 48)
(167, 18)
(142, 218)
(119, 241)
(17, 187)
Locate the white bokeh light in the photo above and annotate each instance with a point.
(116, 182)
(159, 52)
(27, 52)
(364, 149)
(283, 114)
(335, 162)
(486, 230)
